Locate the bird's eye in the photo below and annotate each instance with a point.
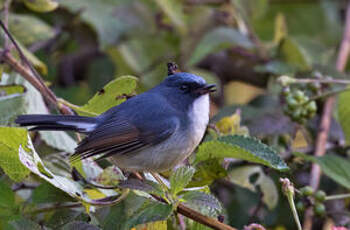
(184, 87)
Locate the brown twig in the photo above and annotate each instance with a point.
(198, 217)
(322, 136)
(6, 19)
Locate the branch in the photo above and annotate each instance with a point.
(322, 136)
(6, 19)
(198, 217)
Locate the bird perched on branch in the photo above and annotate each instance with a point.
(153, 131)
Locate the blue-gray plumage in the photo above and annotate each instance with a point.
(153, 131)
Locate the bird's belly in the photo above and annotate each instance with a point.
(157, 158)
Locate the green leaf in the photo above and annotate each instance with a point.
(344, 114)
(242, 176)
(10, 141)
(133, 211)
(46, 193)
(7, 202)
(25, 224)
(114, 93)
(241, 147)
(11, 89)
(180, 179)
(41, 5)
(206, 172)
(29, 29)
(30, 102)
(337, 168)
(61, 180)
(173, 9)
(207, 204)
(79, 225)
(110, 18)
(218, 39)
(10, 107)
(294, 54)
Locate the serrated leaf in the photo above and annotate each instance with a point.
(10, 140)
(10, 107)
(240, 147)
(203, 202)
(113, 94)
(337, 168)
(344, 114)
(206, 172)
(180, 179)
(242, 176)
(218, 39)
(29, 29)
(41, 5)
(135, 210)
(294, 54)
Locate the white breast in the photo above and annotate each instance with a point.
(199, 116)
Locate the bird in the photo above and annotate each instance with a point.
(153, 131)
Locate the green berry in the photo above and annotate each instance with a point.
(292, 103)
(320, 209)
(307, 191)
(320, 195)
(312, 107)
(300, 206)
(299, 95)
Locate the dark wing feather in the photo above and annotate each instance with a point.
(121, 133)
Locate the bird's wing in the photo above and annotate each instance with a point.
(120, 134)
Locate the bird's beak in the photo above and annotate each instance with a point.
(209, 88)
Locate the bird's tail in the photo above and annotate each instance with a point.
(58, 122)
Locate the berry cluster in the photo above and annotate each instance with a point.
(311, 198)
(298, 107)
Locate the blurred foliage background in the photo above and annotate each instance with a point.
(243, 46)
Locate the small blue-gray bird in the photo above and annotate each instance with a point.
(153, 131)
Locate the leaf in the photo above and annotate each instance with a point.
(46, 193)
(41, 5)
(294, 54)
(10, 140)
(11, 89)
(218, 39)
(10, 107)
(281, 30)
(158, 225)
(59, 140)
(203, 202)
(31, 102)
(206, 172)
(180, 179)
(111, 19)
(232, 125)
(29, 30)
(113, 94)
(7, 202)
(79, 225)
(242, 176)
(32, 161)
(173, 9)
(240, 147)
(337, 168)
(135, 210)
(344, 114)
(25, 224)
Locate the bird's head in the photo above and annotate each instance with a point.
(188, 84)
(182, 89)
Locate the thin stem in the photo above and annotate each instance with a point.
(6, 19)
(323, 81)
(339, 196)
